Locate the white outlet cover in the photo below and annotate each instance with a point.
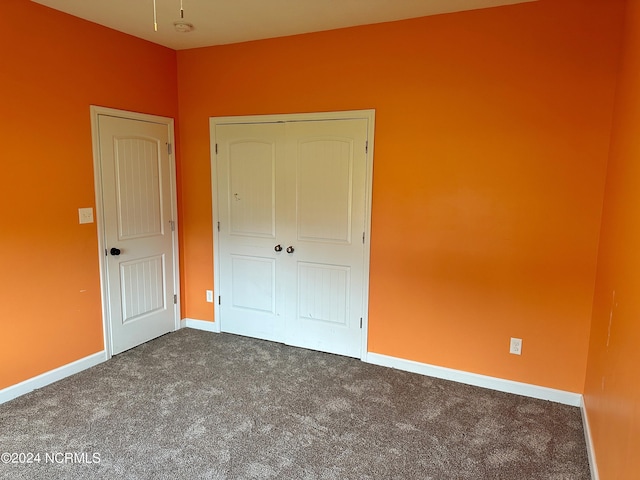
(210, 296)
(85, 215)
(515, 347)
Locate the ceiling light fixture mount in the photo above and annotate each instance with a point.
(183, 27)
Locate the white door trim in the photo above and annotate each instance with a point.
(369, 115)
(97, 111)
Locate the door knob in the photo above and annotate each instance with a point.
(278, 248)
(290, 249)
(115, 251)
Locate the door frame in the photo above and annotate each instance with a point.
(96, 112)
(368, 115)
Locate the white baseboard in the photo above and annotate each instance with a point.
(51, 376)
(493, 383)
(591, 452)
(200, 325)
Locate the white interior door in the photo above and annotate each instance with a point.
(292, 212)
(137, 209)
(326, 164)
(251, 214)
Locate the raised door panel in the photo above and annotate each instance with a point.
(324, 189)
(251, 194)
(142, 287)
(323, 293)
(253, 283)
(138, 188)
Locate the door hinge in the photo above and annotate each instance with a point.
(169, 149)
(175, 299)
(360, 322)
(366, 146)
(173, 225)
(218, 226)
(363, 238)
(216, 148)
(219, 300)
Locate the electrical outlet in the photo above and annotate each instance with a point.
(210, 296)
(515, 347)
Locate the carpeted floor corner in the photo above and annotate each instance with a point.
(198, 405)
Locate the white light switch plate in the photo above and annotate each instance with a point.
(86, 215)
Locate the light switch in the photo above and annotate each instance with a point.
(86, 215)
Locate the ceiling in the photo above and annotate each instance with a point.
(220, 22)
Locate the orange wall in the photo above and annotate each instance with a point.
(612, 388)
(53, 67)
(491, 143)
(492, 133)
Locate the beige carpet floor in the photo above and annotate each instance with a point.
(198, 405)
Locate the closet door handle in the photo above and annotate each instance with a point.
(290, 249)
(114, 251)
(278, 248)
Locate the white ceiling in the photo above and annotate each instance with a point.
(220, 22)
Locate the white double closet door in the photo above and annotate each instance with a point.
(292, 215)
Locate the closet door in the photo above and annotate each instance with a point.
(326, 169)
(291, 203)
(250, 182)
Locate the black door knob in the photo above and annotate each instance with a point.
(278, 248)
(290, 249)
(115, 251)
